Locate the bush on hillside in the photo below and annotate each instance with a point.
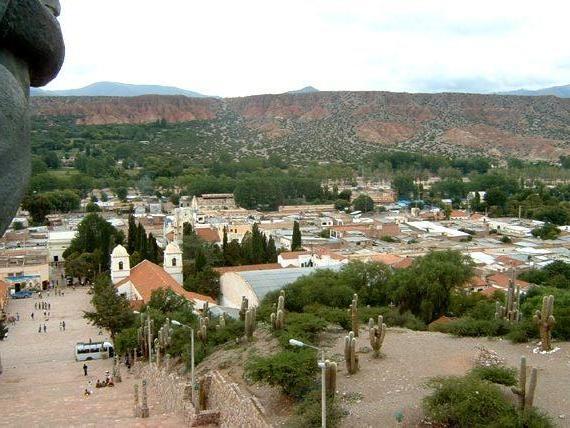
(474, 328)
(496, 374)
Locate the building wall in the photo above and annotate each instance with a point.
(233, 287)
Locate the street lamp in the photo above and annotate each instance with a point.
(179, 324)
(322, 366)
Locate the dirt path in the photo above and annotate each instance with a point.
(386, 386)
(42, 384)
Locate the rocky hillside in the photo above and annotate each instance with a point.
(336, 125)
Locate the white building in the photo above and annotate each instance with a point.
(58, 242)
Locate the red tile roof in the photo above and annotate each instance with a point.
(147, 277)
(208, 234)
(291, 255)
(501, 280)
(506, 260)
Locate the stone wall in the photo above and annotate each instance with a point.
(236, 408)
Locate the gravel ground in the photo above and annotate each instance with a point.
(395, 382)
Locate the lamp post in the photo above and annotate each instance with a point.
(179, 324)
(322, 366)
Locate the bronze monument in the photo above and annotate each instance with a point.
(31, 54)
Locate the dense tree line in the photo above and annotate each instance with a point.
(141, 246)
(57, 201)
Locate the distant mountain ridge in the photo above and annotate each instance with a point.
(557, 91)
(305, 90)
(114, 89)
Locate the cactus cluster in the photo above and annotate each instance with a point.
(204, 322)
(545, 321)
(221, 321)
(330, 377)
(353, 314)
(377, 334)
(244, 308)
(250, 322)
(144, 331)
(511, 310)
(350, 356)
(278, 317)
(165, 335)
(206, 309)
(526, 396)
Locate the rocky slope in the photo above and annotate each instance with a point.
(329, 125)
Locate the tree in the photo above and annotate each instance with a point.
(112, 311)
(404, 186)
(341, 204)
(425, 288)
(96, 236)
(296, 241)
(363, 203)
(548, 231)
(122, 193)
(92, 208)
(496, 197)
(271, 256)
(132, 235)
(81, 266)
(345, 195)
(205, 282)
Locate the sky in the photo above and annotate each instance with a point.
(245, 47)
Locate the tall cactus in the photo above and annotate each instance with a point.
(353, 314)
(545, 321)
(377, 334)
(526, 397)
(244, 308)
(250, 323)
(511, 310)
(221, 321)
(203, 329)
(205, 309)
(278, 317)
(330, 377)
(350, 356)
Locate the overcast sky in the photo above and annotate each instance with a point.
(246, 47)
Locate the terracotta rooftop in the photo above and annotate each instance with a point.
(501, 280)
(387, 259)
(506, 260)
(208, 234)
(147, 277)
(290, 255)
(245, 268)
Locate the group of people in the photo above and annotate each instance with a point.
(108, 382)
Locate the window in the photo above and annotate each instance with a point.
(174, 261)
(120, 265)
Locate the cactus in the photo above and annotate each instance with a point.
(203, 329)
(221, 322)
(250, 323)
(511, 311)
(244, 308)
(165, 335)
(205, 309)
(377, 334)
(526, 397)
(545, 321)
(353, 314)
(278, 317)
(350, 356)
(330, 377)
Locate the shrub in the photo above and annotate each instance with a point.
(301, 326)
(474, 328)
(496, 374)
(294, 371)
(465, 402)
(522, 332)
(126, 339)
(308, 412)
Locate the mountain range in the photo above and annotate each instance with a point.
(114, 89)
(337, 126)
(557, 91)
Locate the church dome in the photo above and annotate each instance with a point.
(119, 251)
(172, 248)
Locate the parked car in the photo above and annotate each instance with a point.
(23, 294)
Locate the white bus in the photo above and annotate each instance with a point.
(93, 351)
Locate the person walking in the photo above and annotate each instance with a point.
(84, 369)
(32, 316)
(45, 329)
(63, 325)
(40, 329)
(60, 327)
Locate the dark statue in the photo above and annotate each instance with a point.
(31, 54)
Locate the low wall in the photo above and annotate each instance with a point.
(236, 409)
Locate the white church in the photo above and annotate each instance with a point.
(138, 283)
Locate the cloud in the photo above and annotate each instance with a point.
(230, 48)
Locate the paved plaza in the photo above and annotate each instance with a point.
(43, 385)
